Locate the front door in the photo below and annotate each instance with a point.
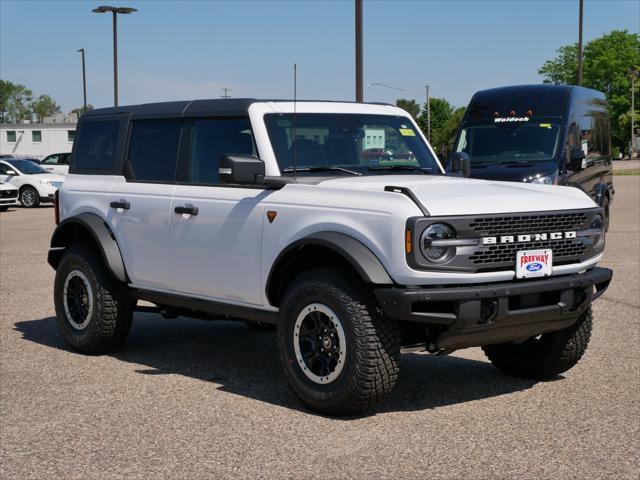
(216, 230)
(140, 202)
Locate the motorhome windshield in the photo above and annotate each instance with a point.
(510, 143)
(349, 144)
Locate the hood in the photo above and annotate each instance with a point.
(443, 195)
(513, 172)
(53, 177)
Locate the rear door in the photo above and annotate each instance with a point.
(140, 201)
(217, 242)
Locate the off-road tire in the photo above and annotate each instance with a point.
(372, 354)
(3, 209)
(28, 190)
(545, 357)
(110, 318)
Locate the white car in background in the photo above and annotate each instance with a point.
(57, 163)
(8, 196)
(34, 183)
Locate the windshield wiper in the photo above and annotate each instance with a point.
(327, 168)
(424, 170)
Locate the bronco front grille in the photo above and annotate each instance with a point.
(562, 249)
(524, 224)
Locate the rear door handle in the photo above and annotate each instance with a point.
(123, 204)
(186, 210)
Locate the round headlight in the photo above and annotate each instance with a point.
(435, 253)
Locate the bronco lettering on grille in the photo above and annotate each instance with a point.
(534, 237)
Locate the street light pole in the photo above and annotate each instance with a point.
(359, 63)
(84, 83)
(580, 44)
(115, 11)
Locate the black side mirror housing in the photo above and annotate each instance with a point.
(461, 164)
(578, 160)
(241, 169)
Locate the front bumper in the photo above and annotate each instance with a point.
(474, 315)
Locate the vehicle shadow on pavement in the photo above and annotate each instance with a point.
(245, 362)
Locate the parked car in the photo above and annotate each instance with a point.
(57, 163)
(34, 183)
(207, 210)
(8, 196)
(548, 134)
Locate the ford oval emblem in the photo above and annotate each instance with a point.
(534, 267)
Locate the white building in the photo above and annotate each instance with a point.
(36, 140)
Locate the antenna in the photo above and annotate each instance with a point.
(293, 141)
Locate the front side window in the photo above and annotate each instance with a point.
(27, 167)
(96, 147)
(210, 140)
(153, 151)
(11, 136)
(36, 136)
(509, 143)
(50, 160)
(348, 143)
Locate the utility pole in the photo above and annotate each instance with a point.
(84, 83)
(428, 114)
(225, 90)
(359, 76)
(580, 44)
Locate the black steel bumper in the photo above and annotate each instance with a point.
(474, 315)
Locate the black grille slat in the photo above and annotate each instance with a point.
(8, 193)
(525, 224)
(506, 252)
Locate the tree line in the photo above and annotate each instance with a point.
(608, 63)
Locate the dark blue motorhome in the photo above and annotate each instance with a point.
(549, 134)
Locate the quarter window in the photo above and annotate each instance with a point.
(36, 136)
(96, 148)
(211, 139)
(11, 136)
(153, 151)
(70, 135)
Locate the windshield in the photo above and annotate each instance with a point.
(27, 167)
(512, 143)
(348, 144)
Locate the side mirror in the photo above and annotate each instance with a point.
(461, 164)
(578, 159)
(241, 169)
(12, 172)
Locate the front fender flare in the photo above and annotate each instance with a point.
(68, 230)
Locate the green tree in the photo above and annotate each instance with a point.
(410, 106)
(441, 111)
(44, 106)
(608, 61)
(14, 101)
(80, 110)
(449, 131)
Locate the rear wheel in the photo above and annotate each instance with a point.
(94, 312)
(29, 197)
(339, 353)
(544, 356)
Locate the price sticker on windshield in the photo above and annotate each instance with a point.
(534, 263)
(407, 132)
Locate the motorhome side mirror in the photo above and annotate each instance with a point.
(461, 164)
(241, 169)
(578, 159)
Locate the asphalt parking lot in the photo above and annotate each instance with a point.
(192, 399)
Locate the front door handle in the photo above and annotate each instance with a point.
(123, 204)
(186, 210)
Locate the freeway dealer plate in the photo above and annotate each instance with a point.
(534, 263)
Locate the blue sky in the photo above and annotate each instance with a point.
(191, 49)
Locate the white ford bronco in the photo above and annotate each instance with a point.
(332, 221)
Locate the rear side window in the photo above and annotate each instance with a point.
(96, 148)
(153, 151)
(210, 140)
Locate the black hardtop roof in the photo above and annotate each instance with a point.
(195, 108)
(541, 99)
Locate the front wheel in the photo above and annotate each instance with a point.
(339, 353)
(29, 197)
(544, 356)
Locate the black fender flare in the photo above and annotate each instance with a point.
(67, 231)
(358, 255)
(602, 192)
